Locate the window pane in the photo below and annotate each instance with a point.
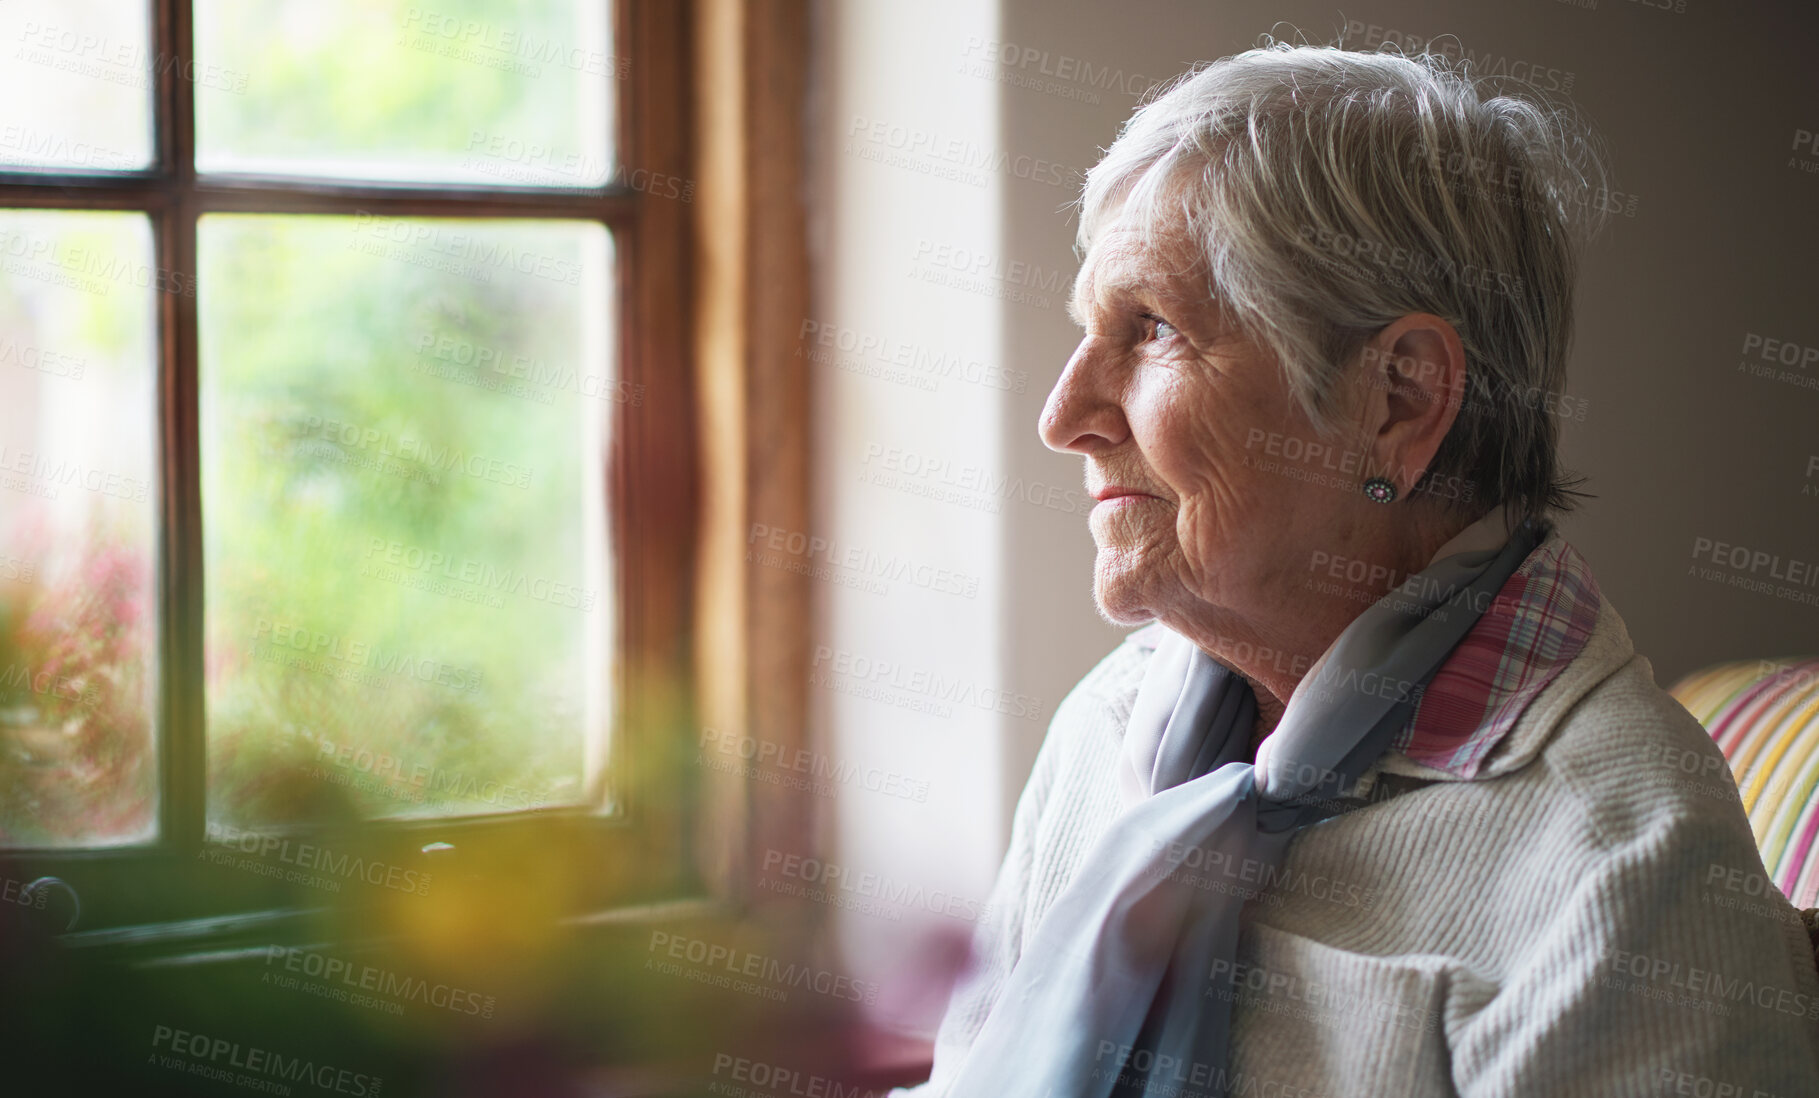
(75, 84)
(78, 627)
(404, 430)
(478, 91)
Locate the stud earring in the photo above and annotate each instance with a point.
(1380, 490)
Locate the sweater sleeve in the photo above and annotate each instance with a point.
(998, 937)
(1655, 976)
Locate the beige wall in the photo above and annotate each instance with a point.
(911, 612)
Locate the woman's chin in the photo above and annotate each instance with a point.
(1120, 591)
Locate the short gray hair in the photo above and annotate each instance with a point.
(1329, 193)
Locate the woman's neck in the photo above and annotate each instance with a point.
(1306, 620)
(1269, 714)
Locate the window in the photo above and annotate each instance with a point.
(346, 449)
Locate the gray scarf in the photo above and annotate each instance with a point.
(1110, 994)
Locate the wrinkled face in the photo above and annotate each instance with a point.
(1183, 423)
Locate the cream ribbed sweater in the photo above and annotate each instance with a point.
(1585, 917)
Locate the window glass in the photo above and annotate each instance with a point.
(466, 91)
(76, 79)
(404, 428)
(78, 492)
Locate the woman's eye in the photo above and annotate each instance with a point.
(1161, 329)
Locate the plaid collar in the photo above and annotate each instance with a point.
(1538, 623)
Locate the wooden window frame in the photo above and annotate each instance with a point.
(674, 512)
(752, 279)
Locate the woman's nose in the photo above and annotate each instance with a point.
(1082, 414)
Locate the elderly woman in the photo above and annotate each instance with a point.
(1382, 801)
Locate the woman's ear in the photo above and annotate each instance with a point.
(1414, 379)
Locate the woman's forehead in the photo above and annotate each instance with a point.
(1125, 262)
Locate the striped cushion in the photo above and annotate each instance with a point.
(1764, 714)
